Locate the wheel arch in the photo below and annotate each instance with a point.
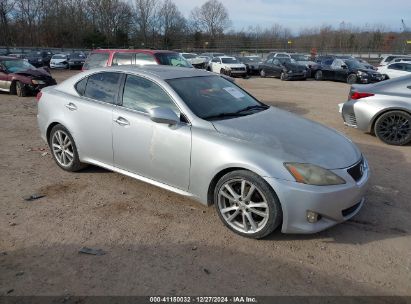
(221, 173)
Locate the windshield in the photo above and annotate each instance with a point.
(189, 56)
(59, 57)
(229, 60)
(210, 96)
(353, 64)
(251, 59)
(173, 59)
(14, 66)
(300, 57)
(77, 56)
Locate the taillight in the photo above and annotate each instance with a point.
(38, 96)
(359, 95)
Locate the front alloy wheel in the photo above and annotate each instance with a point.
(262, 73)
(351, 79)
(318, 75)
(394, 128)
(247, 205)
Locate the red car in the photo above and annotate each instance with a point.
(19, 77)
(109, 57)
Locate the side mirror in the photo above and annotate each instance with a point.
(344, 66)
(163, 115)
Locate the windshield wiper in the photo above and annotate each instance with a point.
(250, 108)
(223, 115)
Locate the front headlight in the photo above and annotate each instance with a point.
(290, 71)
(361, 73)
(313, 175)
(34, 81)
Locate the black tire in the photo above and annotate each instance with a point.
(263, 74)
(394, 128)
(21, 89)
(76, 165)
(222, 71)
(352, 79)
(274, 210)
(318, 75)
(386, 77)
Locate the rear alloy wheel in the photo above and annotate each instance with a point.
(283, 76)
(21, 89)
(394, 128)
(247, 205)
(263, 74)
(318, 75)
(351, 79)
(64, 149)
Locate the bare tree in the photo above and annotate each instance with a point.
(212, 17)
(171, 23)
(6, 7)
(145, 13)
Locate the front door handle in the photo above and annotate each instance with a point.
(71, 106)
(122, 121)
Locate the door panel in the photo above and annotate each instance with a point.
(157, 151)
(90, 123)
(4, 81)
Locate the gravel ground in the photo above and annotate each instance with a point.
(157, 242)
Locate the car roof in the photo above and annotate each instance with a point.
(146, 51)
(158, 71)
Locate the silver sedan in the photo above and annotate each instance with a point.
(383, 109)
(200, 135)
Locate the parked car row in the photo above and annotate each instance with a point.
(68, 61)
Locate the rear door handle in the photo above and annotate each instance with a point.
(71, 106)
(122, 121)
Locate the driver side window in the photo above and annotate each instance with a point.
(337, 64)
(141, 94)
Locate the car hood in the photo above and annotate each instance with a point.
(291, 138)
(34, 73)
(59, 60)
(234, 65)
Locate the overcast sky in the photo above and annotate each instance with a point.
(297, 14)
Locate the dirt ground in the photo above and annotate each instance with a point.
(160, 243)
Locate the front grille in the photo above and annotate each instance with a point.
(350, 119)
(237, 69)
(357, 171)
(351, 210)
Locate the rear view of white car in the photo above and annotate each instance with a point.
(228, 66)
(394, 70)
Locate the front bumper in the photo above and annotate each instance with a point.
(364, 79)
(297, 75)
(334, 204)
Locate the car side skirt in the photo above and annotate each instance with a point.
(141, 178)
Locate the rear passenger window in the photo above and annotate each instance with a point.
(81, 86)
(395, 66)
(96, 60)
(103, 86)
(123, 58)
(142, 58)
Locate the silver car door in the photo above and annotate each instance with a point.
(90, 116)
(141, 146)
